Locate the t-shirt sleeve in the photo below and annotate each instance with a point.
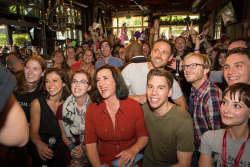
(176, 90)
(59, 112)
(185, 135)
(90, 135)
(7, 84)
(126, 75)
(205, 147)
(140, 123)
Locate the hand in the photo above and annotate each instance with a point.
(77, 152)
(86, 35)
(126, 156)
(218, 44)
(152, 31)
(44, 152)
(172, 64)
(192, 30)
(90, 28)
(156, 25)
(246, 23)
(198, 40)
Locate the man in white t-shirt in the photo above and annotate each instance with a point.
(135, 74)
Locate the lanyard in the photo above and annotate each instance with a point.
(224, 152)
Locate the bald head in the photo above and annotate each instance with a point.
(134, 48)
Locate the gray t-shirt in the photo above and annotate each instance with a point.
(135, 76)
(211, 145)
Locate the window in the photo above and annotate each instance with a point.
(175, 24)
(133, 24)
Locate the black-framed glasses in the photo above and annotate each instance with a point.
(191, 66)
(82, 82)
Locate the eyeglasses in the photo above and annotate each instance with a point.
(191, 66)
(122, 52)
(82, 82)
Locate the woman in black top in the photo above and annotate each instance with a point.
(43, 123)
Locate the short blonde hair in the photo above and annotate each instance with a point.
(206, 62)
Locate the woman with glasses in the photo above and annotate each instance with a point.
(71, 118)
(43, 123)
(114, 123)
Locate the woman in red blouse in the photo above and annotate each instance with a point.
(114, 123)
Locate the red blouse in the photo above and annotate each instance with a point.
(129, 126)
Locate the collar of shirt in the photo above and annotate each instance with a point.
(200, 91)
(104, 107)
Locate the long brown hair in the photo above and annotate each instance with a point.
(22, 86)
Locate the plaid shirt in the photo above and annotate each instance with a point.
(204, 108)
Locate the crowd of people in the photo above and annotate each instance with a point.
(182, 101)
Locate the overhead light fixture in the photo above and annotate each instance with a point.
(61, 16)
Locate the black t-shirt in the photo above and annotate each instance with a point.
(26, 100)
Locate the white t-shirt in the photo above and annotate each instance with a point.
(135, 76)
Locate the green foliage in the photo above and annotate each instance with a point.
(179, 21)
(19, 39)
(3, 40)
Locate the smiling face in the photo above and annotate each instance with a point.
(33, 72)
(195, 76)
(105, 49)
(236, 69)
(58, 58)
(146, 50)
(99, 55)
(160, 54)
(234, 112)
(71, 53)
(180, 44)
(88, 57)
(122, 54)
(79, 85)
(106, 84)
(158, 92)
(222, 59)
(54, 84)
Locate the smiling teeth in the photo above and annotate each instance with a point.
(155, 99)
(234, 78)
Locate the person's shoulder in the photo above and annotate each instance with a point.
(132, 101)
(214, 133)
(180, 112)
(76, 63)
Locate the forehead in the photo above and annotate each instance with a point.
(88, 52)
(105, 44)
(193, 59)
(157, 80)
(71, 50)
(122, 49)
(237, 44)
(234, 58)
(59, 54)
(80, 76)
(162, 46)
(145, 45)
(179, 40)
(52, 75)
(104, 72)
(33, 63)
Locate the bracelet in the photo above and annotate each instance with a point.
(156, 33)
(151, 36)
(71, 146)
(196, 49)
